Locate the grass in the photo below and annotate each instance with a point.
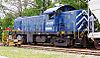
(13, 52)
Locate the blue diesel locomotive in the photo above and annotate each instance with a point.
(60, 26)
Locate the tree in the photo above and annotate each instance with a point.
(39, 7)
(15, 6)
(78, 4)
(31, 12)
(43, 4)
(7, 22)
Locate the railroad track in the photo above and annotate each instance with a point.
(65, 50)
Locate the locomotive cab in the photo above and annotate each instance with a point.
(53, 12)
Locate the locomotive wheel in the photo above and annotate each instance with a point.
(97, 43)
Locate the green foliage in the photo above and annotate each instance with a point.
(97, 25)
(40, 6)
(43, 4)
(31, 12)
(7, 22)
(78, 4)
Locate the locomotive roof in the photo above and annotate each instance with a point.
(54, 9)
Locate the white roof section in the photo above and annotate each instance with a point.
(57, 6)
(94, 6)
(50, 10)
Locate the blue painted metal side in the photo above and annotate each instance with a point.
(31, 24)
(49, 26)
(36, 23)
(18, 23)
(71, 21)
